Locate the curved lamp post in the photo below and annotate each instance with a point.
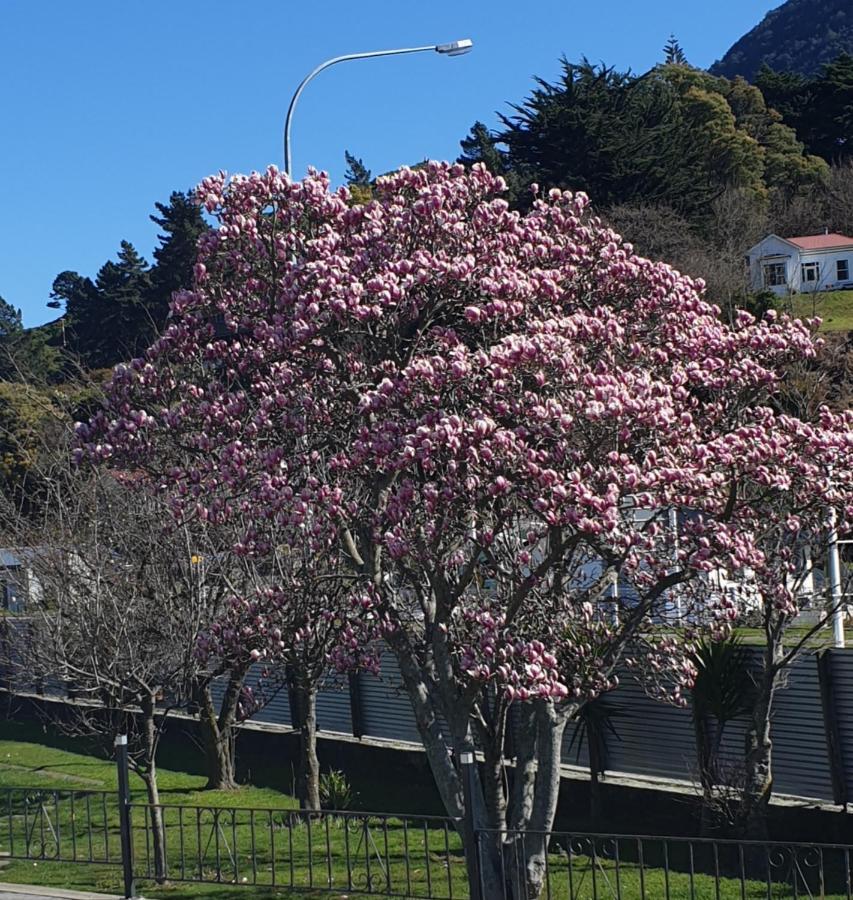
(454, 48)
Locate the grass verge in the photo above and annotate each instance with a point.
(255, 835)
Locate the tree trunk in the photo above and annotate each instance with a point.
(148, 772)
(217, 734)
(511, 868)
(536, 789)
(758, 781)
(758, 776)
(597, 764)
(308, 783)
(158, 832)
(441, 750)
(550, 725)
(435, 742)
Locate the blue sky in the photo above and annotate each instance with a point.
(108, 106)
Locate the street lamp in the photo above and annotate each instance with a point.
(454, 48)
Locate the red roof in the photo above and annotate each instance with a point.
(821, 241)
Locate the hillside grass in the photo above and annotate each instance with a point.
(834, 307)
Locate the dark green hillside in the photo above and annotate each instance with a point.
(799, 36)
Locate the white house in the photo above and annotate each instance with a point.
(813, 262)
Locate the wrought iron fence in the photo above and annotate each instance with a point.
(61, 825)
(580, 866)
(356, 853)
(400, 856)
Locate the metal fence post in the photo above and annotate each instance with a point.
(472, 837)
(124, 815)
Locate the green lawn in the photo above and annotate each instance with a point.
(246, 830)
(834, 307)
(819, 640)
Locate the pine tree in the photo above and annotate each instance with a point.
(481, 146)
(819, 109)
(10, 319)
(107, 319)
(127, 326)
(619, 137)
(357, 172)
(359, 179)
(673, 54)
(83, 312)
(182, 224)
(828, 119)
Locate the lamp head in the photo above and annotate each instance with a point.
(455, 48)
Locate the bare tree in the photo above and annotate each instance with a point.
(713, 251)
(125, 592)
(113, 619)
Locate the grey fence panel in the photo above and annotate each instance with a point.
(333, 705)
(800, 758)
(386, 711)
(575, 748)
(842, 688)
(652, 738)
(274, 697)
(276, 711)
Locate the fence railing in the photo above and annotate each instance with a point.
(367, 853)
(70, 826)
(580, 866)
(399, 856)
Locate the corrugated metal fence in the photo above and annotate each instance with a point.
(812, 724)
(651, 738)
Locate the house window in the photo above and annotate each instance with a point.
(12, 600)
(842, 270)
(774, 274)
(810, 273)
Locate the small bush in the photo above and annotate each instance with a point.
(336, 792)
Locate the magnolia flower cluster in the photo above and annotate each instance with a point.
(563, 661)
(458, 393)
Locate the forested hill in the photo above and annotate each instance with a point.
(798, 36)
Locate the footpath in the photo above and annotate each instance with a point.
(32, 892)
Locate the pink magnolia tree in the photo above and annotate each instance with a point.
(491, 415)
(792, 472)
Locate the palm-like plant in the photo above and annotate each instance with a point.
(720, 693)
(593, 722)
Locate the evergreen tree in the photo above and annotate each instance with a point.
(827, 120)
(619, 137)
(673, 55)
(359, 179)
(819, 109)
(182, 224)
(482, 146)
(357, 172)
(675, 136)
(786, 92)
(83, 313)
(127, 325)
(108, 319)
(10, 319)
